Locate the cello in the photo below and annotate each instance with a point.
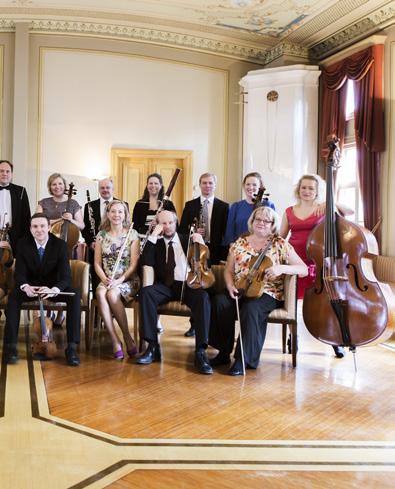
(346, 305)
(64, 229)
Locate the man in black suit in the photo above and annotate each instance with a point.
(98, 211)
(214, 214)
(42, 267)
(167, 256)
(14, 205)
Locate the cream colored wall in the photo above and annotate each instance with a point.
(88, 94)
(388, 197)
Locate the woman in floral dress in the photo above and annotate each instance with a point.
(119, 286)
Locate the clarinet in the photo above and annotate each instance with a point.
(91, 218)
(160, 208)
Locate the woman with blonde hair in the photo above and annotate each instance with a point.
(118, 284)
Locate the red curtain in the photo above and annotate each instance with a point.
(366, 69)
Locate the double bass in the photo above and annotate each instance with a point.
(65, 229)
(346, 305)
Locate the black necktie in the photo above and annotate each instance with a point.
(6, 187)
(170, 265)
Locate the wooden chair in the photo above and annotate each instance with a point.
(287, 315)
(79, 280)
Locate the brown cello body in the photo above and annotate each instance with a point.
(364, 304)
(346, 305)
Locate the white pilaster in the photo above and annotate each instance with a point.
(21, 85)
(280, 137)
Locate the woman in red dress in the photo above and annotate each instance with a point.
(300, 220)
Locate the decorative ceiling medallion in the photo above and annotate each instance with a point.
(272, 96)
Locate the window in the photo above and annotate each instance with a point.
(347, 181)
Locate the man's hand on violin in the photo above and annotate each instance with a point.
(5, 244)
(201, 231)
(197, 238)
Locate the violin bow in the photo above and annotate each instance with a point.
(191, 231)
(240, 335)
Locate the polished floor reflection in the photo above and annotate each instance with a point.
(122, 425)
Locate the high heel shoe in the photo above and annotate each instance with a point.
(118, 355)
(132, 352)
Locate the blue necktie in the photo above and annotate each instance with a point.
(41, 251)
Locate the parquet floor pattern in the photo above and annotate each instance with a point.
(323, 398)
(121, 425)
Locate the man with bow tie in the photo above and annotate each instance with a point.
(42, 267)
(14, 205)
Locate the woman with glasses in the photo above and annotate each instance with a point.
(263, 226)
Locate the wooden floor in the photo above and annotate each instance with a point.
(121, 425)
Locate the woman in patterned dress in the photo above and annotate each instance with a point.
(263, 226)
(115, 289)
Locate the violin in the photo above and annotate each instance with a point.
(252, 284)
(346, 305)
(200, 276)
(260, 198)
(44, 347)
(64, 229)
(6, 257)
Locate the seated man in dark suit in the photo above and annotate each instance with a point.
(42, 267)
(212, 216)
(167, 255)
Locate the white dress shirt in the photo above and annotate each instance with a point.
(5, 208)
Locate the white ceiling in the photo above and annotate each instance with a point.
(318, 27)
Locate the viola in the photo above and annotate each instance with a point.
(260, 198)
(64, 229)
(252, 284)
(6, 256)
(346, 305)
(200, 276)
(44, 348)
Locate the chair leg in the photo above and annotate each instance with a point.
(87, 319)
(294, 335)
(284, 337)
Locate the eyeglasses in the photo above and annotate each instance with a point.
(263, 221)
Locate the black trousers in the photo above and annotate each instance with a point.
(196, 299)
(253, 319)
(73, 320)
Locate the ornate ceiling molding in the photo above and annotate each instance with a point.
(366, 27)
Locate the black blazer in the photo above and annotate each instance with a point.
(53, 271)
(20, 209)
(87, 231)
(218, 222)
(140, 212)
(154, 255)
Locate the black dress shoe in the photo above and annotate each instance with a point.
(201, 363)
(220, 359)
(190, 332)
(72, 357)
(151, 354)
(236, 368)
(12, 356)
(339, 351)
